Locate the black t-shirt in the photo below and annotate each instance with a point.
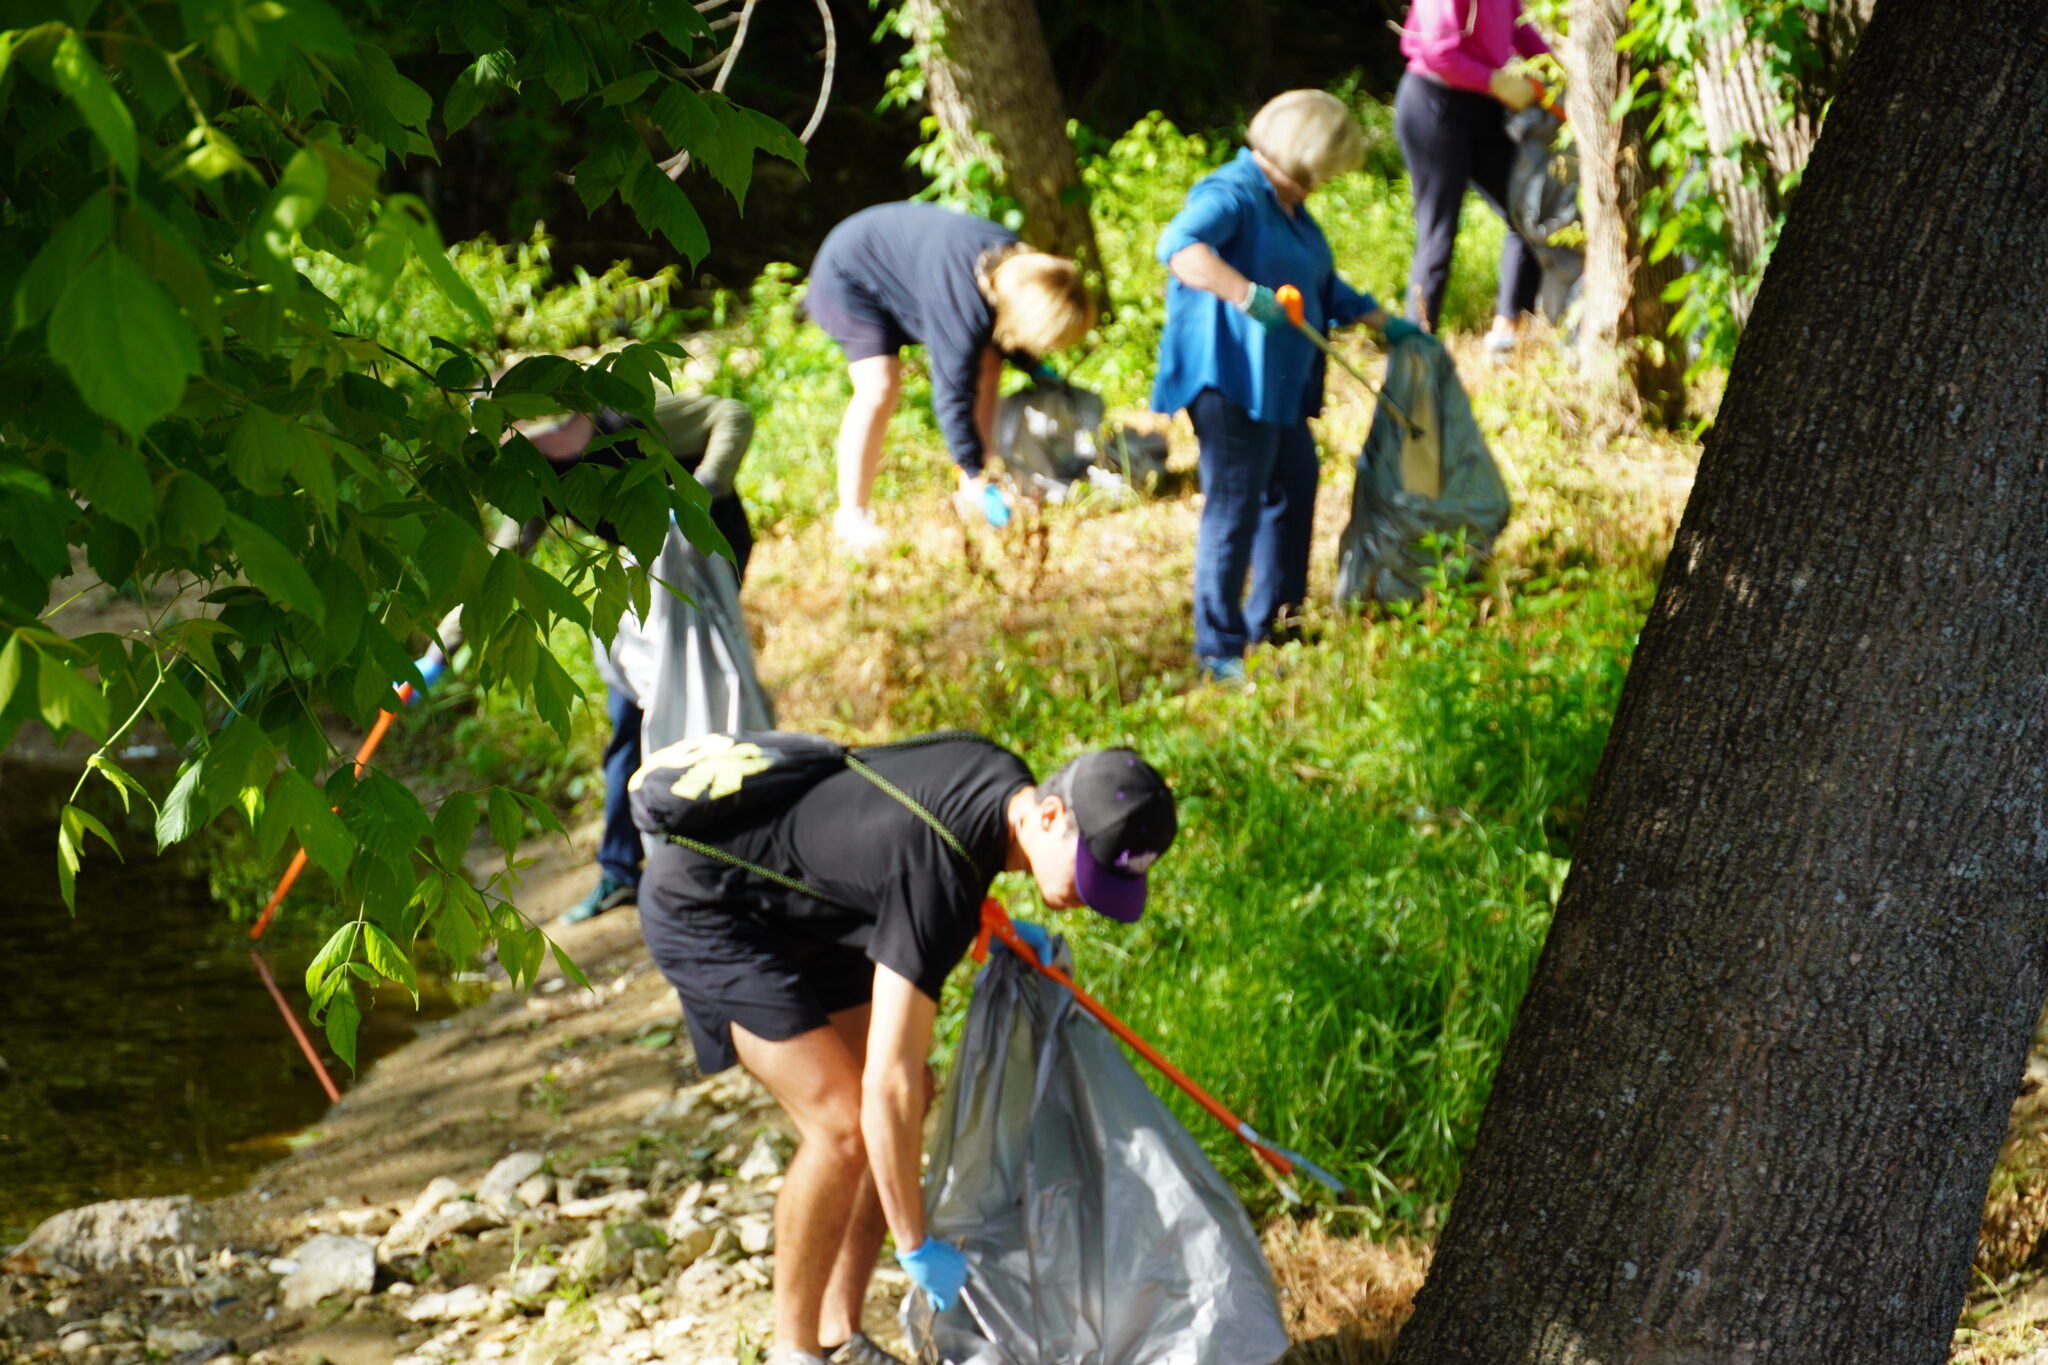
(906, 898)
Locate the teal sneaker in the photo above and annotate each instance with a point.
(609, 894)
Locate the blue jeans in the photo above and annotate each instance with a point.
(619, 851)
(1258, 511)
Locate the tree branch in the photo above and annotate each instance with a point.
(825, 85)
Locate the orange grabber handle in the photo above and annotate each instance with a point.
(996, 924)
(1290, 299)
(298, 863)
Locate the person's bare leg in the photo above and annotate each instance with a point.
(816, 1080)
(847, 1291)
(877, 381)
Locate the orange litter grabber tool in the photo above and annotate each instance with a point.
(1290, 299)
(996, 925)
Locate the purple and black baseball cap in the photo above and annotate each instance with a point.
(1126, 816)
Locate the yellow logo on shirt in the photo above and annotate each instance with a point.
(712, 766)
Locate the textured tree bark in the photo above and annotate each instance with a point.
(987, 71)
(1750, 1107)
(1752, 150)
(1624, 326)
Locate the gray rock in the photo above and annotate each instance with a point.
(536, 1191)
(331, 1266)
(211, 1349)
(608, 1252)
(689, 1236)
(755, 1233)
(175, 1341)
(534, 1281)
(451, 1219)
(764, 1160)
(619, 1203)
(73, 1342)
(501, 1185)
(121, 1234)
(470, 1301)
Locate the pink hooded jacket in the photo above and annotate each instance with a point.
(1463, 42)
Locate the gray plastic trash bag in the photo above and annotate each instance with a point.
(1543, 205)
(1440, 481)
(1049, 434)
(1096, 1231)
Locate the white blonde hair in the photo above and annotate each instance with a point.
(1042, 303)
(1308, 135)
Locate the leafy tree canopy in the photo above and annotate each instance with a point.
(182, 406)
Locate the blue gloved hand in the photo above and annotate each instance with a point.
(994, 505)
(1400, 329)
(1037, 937)
(1042, 373)
(938, 1268)
(433, 665)
(1262, 307)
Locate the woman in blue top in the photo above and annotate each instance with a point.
(1249, 380)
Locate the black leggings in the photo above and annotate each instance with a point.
(1451, 139)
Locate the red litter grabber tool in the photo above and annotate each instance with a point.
(1290, 299)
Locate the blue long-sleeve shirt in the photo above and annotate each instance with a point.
(1207, 343)
(914, 264)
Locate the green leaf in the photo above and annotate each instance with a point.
(73, 825)
(78, 74)
(605, 167)
(426, 243)
(390, 960)
(300, 807)
(327, 963)
(192, 510)
(259, 451)
(486, 78)
(454, 826)
(508, 826)
(12, 656)
(569, 967)
(62, 257)
(387, 818)
(343, 1017)
(273, 568)
(661, 206)
(133, 373)
(68, 699)
(626, 89)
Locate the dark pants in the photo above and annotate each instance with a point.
(619, 852)
(1451, 139)
(1258, 511)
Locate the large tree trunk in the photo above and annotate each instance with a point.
(1624, 326)
(987, 71)
(1751, 1105)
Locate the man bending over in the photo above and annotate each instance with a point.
(823, 979)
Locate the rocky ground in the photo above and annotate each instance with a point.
(543, 1178)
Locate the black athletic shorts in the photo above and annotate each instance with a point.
(735, 969)
(861, 326)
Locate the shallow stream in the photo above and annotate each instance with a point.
(139, 1051)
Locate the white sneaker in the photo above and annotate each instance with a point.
(856, 531)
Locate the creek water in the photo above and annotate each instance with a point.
(139, 1051)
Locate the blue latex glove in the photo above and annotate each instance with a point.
(433, 666)
(1042, 373)
(1262, 307)
(1037, 937)
(938, 1268)
(1400, 329)
(995, 506)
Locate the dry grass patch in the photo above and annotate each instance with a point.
(1345, 1298)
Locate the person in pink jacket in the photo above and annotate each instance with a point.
(1449, 117)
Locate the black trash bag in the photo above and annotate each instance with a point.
(1049, 434)
(1437, 479)
(1096, 1231)
(1543, 205)
(1052, 436)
